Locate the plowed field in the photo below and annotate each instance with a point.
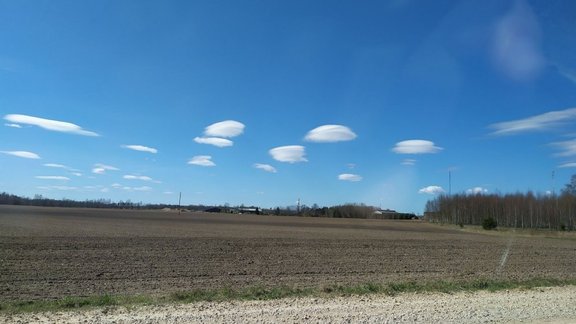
(54, 252)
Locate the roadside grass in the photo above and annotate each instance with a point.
(269, 293)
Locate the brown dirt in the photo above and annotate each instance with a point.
(55, 252)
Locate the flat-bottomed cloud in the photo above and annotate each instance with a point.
(227, 128)
(265, 167)
(61, 178)
(141, 148)
(202, 160)
(49, 124)
(416, 147)
(102, 168)
(22, 154)
(137, 177)
(289, 154)
(350, 177)
(216, 141)
(330, 134)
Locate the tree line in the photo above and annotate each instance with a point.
(340, 211)
(519, 210)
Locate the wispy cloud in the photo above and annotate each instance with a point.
(431, 190)
(567, 148)
(349, 177)
(202, 160)
(517, 50)
(476, 191)
(63, 188)
(13, 125)
(143, 188)
(546, 121)
(216, 141)
(567, 165)
(416, 147)
(102, 168)
(566, 72)
(22, 154)
(409, 162)
(54, 165)
(141, 148)
(290, 153)
(61, 166)
(48, 124)
(61, 178)
(137, 177)
(128, 188)
(265, 167)
(330, 134)
(227, 128)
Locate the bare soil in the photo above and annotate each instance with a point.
(49, 253)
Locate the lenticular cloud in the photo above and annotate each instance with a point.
(202, 160)
(416, 147)
(330, 134)
(48, 124)
(227, 128)
(289, 154)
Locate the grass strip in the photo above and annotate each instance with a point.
(269, 293)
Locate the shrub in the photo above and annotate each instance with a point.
(489, 223)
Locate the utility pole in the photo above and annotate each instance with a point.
(449, 183)
(179, 200)
(298, 207)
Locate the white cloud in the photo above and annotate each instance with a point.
(53, 178)
(22, 154)
(13, 125)
(102, 168)
(54, 165)
(476, 191)
(568, 165)
(116, 185)
(135, 177)
(202, 160)
(227, 128)
(568, 73)
(516, 47)
(216, 141)
(78, 174)
(290, 153)
(168, 192)
(416, 147)
(143, 188)
(265, 167)
(330, 134)
(64, 188)
(568, 148)
(431, 190)
(48, 124)
(546, 121)
(409, 162)
(141, 148)
(349, 177)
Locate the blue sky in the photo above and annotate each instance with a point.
(264, 102)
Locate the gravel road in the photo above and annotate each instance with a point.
(544, 305)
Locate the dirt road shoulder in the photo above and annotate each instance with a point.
(550, 305)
